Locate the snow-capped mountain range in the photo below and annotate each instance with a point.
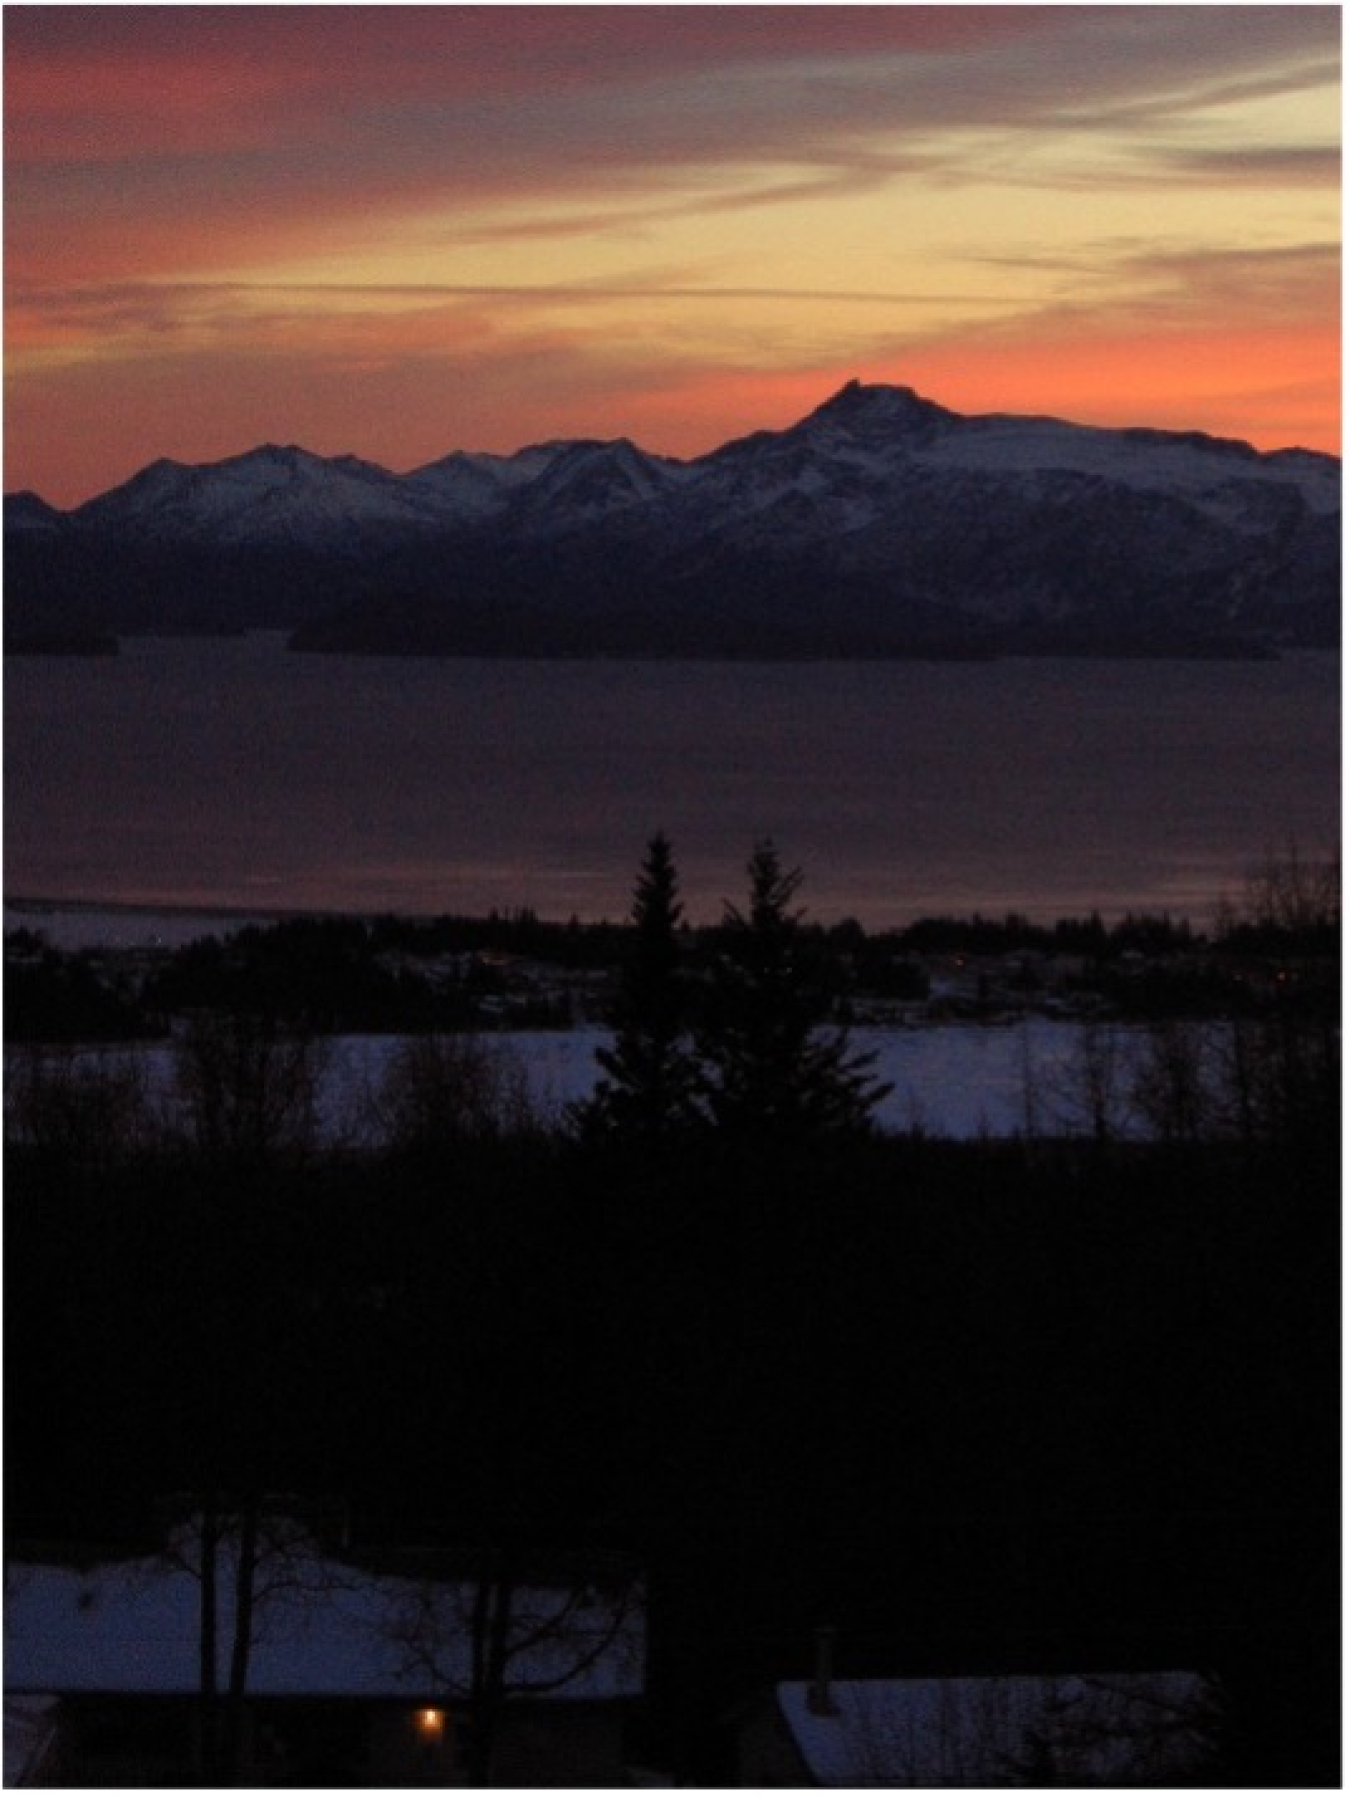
(882, 523)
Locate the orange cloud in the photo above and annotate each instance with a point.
(424, 385)
(1228, 382)
(177, 173)
(1249, 385)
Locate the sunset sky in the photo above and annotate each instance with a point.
(397, 231)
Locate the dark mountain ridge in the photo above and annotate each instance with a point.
(882, 524)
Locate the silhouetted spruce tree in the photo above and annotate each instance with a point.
(772, 1066)
(649, 1091)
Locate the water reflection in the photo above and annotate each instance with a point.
(229, 773)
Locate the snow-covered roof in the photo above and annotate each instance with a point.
(321, 1629)
(1101, 1729)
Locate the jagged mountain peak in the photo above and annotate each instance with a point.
(618, 451)
(878, 406)
(272, 494)
(519, 464)
(294, 459)
(589, 479)
(857, 395)
(26, 507)
(155, 484)
(879, 521)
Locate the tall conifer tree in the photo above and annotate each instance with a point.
(650, 1084)
(773, 1067)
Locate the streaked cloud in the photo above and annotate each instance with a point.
(647, 208)
(1275, 166)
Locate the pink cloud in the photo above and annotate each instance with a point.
(108, 83)
(144, 139)
(149, 145)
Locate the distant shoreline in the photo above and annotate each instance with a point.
(124, 924)
(26, 911)
(44, 907)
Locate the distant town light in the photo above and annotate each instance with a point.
(431, 1724)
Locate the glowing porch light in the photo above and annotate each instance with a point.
(431, 1724)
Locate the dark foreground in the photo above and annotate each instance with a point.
(980, 1408)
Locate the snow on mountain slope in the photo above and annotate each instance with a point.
(270, 495)
(473, 486)
(879, 520)
(586, 482)
(867, 446)
(1216, 474)
(288, 496)
(850, 464)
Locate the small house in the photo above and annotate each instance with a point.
(1084, 1731)
(354, 1678)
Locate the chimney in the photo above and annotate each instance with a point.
(819, 1696)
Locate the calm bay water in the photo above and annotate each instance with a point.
(230, 773)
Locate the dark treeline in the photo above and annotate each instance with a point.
(1024, 1406)
(399, 975)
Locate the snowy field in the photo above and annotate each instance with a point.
(953, 1080)
(958, 1080)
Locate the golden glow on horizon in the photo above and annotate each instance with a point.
(674, 254)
